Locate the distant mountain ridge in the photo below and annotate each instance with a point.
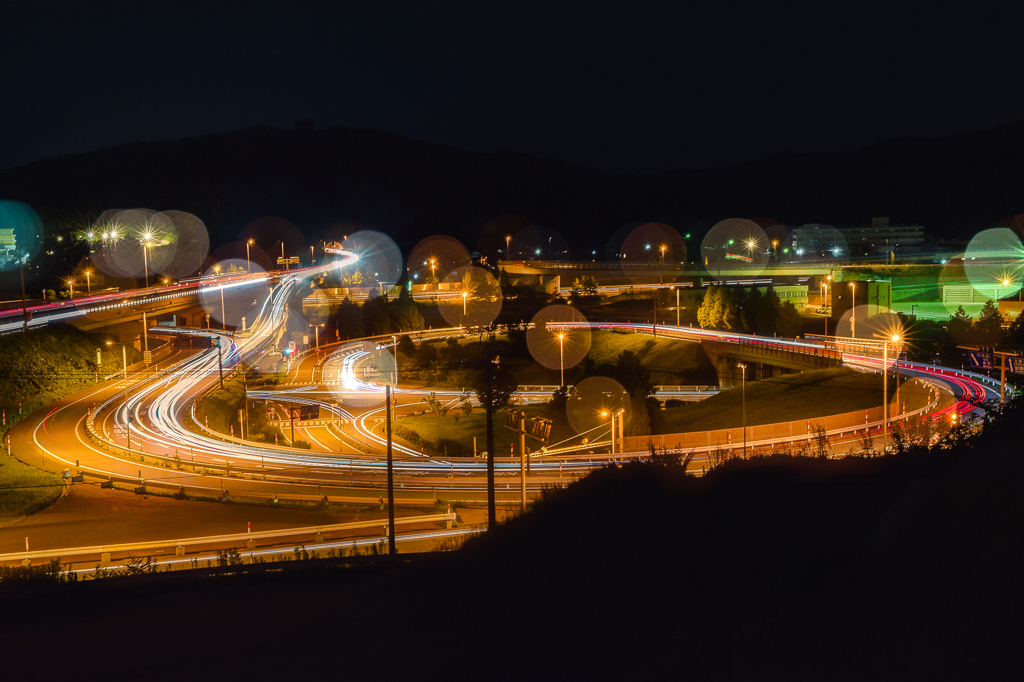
(340, 179)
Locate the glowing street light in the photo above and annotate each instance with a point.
(508, 239)
(895, 338)
(464, 295)
(223, 322)
(561, 357)
(663, 247)
(71, 286)
(433, 269)
(312, 259)
(146, 237)
(88, 282)
(853, 309)
(248, 265)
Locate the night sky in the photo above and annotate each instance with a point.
(616, 86)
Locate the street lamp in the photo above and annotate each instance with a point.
(663, 247)
(677, 305)
(128, 414)
(885, 386)
(71, 287)
(312, 259)
(508, 239)
(743, 367)
(248, 265)
(223, 321)
(561, 356)
(853, 309)
(316, 331)
(88, 281)
(464, 295)
(145, 254)
(433, 269)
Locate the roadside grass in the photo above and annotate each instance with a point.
(24, 489)
(669, 361)
(452, 434)
(807, 395)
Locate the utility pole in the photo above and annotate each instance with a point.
(492, 515)
(220, 364)
(128, 414)
(391, 476)
(24, 304)
(522, 462)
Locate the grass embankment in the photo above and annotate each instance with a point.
(807, 395)
(39, 367)
(669, 361)
(452, 434)
(219, 410)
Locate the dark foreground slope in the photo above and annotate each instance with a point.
(902, 568)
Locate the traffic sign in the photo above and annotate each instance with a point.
(1015, 365)
(980, 360)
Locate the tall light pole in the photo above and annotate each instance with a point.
(312, 259)
(248, 264)
(508, 240)
(561, 356)
(145, 254)
(677, 305)
(88, 282)
(663, 247)
(465, 294)
(853, 309)
(885, 390)
(71, 288)
(743, 367)
(825, 306)
(223, 321)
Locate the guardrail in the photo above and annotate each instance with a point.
(179, 544)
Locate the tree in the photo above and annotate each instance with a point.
(639, 421)
(493, 386)
(788, 323)
(767, 312)
(631, 373)
(376, 319)
(748, 314)
(405, 313)
(988, 329)
(708, 312)
(348, 320)
(959, 326)
(730, 310)
(406, 347)
(505, 282)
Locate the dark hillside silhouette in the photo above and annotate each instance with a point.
(339, 179)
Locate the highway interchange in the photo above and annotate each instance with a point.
(170, 450)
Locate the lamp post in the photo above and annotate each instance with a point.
(606, 413)
(464, 295)
(88, 282)
(743, 367)
(561, 357)
(223, 321)
(312, 259)
(677, 305)
(885, 390)
(853, 309)
(145, 255)
(433, 269)
(508, 240)
(71, 288)
(824, 305)
(248, 264)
